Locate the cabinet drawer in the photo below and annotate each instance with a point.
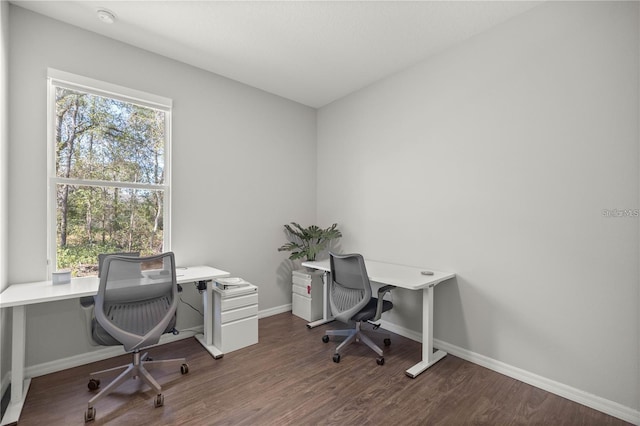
(239, 313)
(301, 290)
(306, 308)
(238, 334)
(301, 281)
(236, 302)
(302, 274)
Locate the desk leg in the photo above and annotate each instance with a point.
(206, 339)
(326, 309)
(19, 386)
(428, 356)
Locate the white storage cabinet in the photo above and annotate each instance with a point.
(235, 317)
(306, 294)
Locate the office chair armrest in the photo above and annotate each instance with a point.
(381, 292)
(87, 304)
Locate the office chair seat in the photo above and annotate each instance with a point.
(368, 313)
(152, 310)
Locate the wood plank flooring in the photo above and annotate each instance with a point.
(288, 378)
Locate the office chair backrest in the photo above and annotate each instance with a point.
(137, 298)
(350, 289)
(103, 256)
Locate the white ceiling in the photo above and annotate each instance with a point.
(312, 52)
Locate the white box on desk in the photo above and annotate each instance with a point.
(235, 317)
(306, 294)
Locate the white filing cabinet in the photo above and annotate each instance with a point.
(235, 317)
(306, 294)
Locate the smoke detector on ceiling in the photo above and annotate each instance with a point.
(106, 16)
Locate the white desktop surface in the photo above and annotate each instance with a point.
(46, 291)
(407, 277)
(18, 296)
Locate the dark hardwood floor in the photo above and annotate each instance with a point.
(289, 378)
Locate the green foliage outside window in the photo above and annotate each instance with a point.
(109, 179)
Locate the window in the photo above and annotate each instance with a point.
(108, 172)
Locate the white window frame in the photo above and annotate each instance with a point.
(57, 78)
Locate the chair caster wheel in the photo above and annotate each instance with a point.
(380, 360)
(325, 339)
(93, 384)
(90, 415)
(336, 358)
(184, 368)
(387, 342)
(159, 401)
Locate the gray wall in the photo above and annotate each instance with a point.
(243, 163)
(494, 160)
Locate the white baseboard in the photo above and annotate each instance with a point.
(405, 332)
(111, 351)
(98, 355)
(581, 397)
(274, 311)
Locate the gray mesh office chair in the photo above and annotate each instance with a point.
(351, 301)
(136, 303)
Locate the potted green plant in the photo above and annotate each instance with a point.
(306, 243)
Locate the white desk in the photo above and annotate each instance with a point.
(18, 296)
(400, 276)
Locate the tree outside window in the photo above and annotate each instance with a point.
(109, 178)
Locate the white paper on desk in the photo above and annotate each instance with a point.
(231, 282)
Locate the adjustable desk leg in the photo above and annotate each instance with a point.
(326, 310)
(19, 386)
(428, 356)
(206, 339)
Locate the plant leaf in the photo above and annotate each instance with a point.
(308, 242)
